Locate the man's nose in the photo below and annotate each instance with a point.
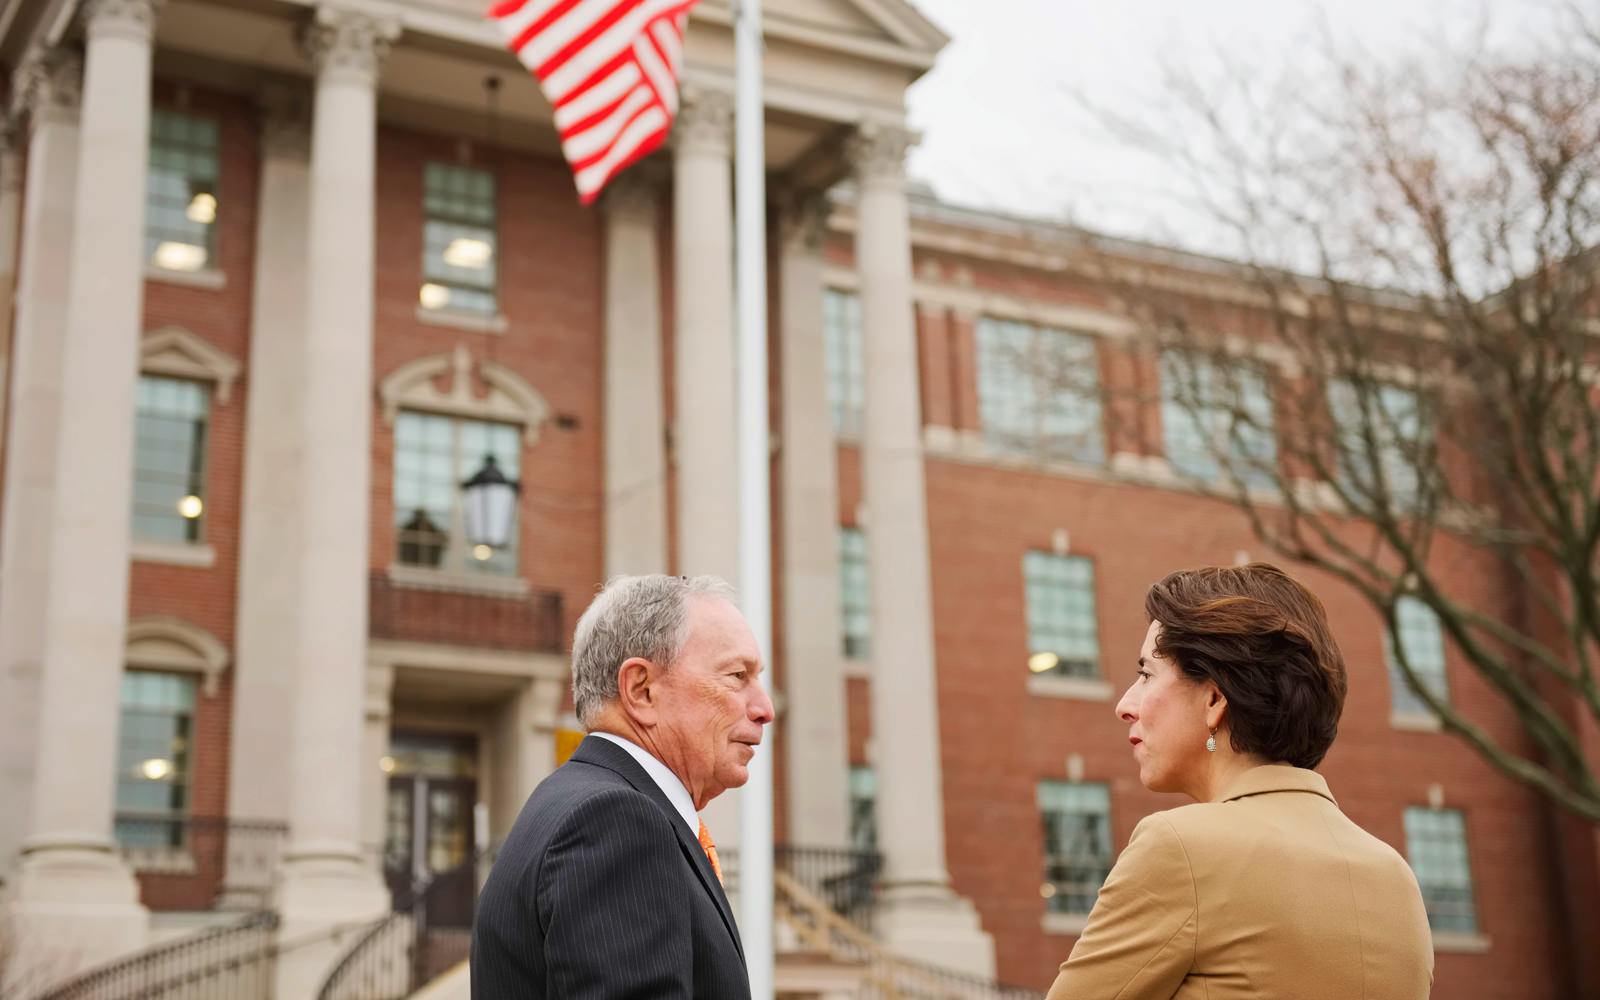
(761, 709)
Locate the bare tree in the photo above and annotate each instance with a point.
(1401, 363)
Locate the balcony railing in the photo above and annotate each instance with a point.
(463, 616)
(201, 862)
(845, 879)
(236, 962)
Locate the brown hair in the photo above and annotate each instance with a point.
(1263, 638)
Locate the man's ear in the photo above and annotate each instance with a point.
(636, 690)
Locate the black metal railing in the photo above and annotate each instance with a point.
(201, 862)
(236, 962)
(438, 611)
(844, 878)
(402, 952)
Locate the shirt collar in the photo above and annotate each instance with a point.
(1276, 778)
(670, 786)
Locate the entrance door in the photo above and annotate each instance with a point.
(429, 841)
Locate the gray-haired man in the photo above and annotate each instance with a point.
(608, 885)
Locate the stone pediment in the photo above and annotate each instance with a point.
(174, 351)
(893, 21)
(509, 399)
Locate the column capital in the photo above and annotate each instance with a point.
(135, 19)
(350, 45)
(285, 111)
(634, 195)
(705, 122)
(48, 82)
(877, 152)
(803, 219)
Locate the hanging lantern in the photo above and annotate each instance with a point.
(491, 506)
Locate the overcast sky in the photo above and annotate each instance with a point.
(1002, 128)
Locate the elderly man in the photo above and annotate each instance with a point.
(609, 885)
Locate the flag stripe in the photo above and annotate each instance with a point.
(609, 69)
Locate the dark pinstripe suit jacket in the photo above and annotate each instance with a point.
(602, 891)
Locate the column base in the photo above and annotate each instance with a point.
(325, 897)
(933, 925)
(70, 907)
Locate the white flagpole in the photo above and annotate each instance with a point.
(755, 531)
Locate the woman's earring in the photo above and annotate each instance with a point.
(1211, 741)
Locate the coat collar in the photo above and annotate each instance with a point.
(1276, 778)
(604, 753)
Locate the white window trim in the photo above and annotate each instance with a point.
(207, 277)
(1070, 924)
(429, 578)
(179, 353)
(165, 644)
(1461, 942)
(1415, 722)
(1078, 688)
(457, 320)
(199, 554)
(510, 398)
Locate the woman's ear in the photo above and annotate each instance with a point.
(636, 691)
(1216, 705)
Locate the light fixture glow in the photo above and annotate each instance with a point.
(190, 506)
(434, 296)
(482, 552)
(1040, 662)
(386, 765)
(202, 208)
(1047, 890)
(156, 768)
(180, 256)
(464, 251)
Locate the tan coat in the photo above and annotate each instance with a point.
(1270, 892)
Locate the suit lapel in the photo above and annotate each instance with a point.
(604, 753)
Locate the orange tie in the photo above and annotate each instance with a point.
(710, 847)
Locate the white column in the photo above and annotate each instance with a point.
(703, 400)
(49, 86)
(70, 877)
(815, 732)
(635, 420)
(270, 544)
(375, 737)
(524, 750)
(325, 878)
(703, 431)
(10, 217)
(921, 916)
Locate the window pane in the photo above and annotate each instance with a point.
(1422, 640)
(1077, 843)
(863, 808)
(433, 456)
(460, 251)
(1208, 411)
(1063, 638)
(855, 594)
(181, 192)
(841, 331)
(169, 459)
(1039, 391)
(1392, 416)
(1436, 845)
(154, 750)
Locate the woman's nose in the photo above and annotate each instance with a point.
(1127, 711)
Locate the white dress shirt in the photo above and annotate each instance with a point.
(663, 777)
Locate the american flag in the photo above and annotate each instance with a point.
(610, 70)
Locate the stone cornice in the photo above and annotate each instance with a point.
(285, 120)
(635, 195)
(48, 81)
(803, 219)
(135, 19)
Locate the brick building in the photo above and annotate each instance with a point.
(346, 270)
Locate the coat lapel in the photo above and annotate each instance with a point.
(604, 753)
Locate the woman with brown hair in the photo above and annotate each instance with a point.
(1262, 888)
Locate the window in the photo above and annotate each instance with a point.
(433, 456)
(181, 192)
(1039, 391)
(1062, 637)
(169, 459)
(1393, 416)
(1422, 640)
(1077, 843)
(1207, 410)
(459, 245)
(863, 808)
(855, 598)
(1436, 844)
(154, 747)
(841, 332)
